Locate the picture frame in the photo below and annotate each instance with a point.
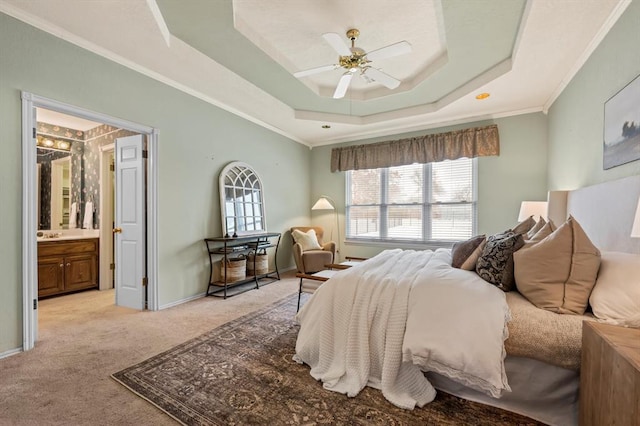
(622, 126)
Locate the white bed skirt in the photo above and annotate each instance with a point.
(540, 391)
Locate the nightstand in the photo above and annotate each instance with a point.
(610, 375)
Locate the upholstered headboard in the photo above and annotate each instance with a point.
(606, 212)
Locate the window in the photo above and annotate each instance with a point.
(417, 203)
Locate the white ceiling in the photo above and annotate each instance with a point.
(240, 54)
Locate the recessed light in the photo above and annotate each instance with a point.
(326, 126)
(481, 96)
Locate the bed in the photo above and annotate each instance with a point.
(367, 326)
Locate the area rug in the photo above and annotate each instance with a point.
(241, 373)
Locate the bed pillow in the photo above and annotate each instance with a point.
(465, 254)
(559, 272)
(524, 226)
(308, 240)
(538, 226)
(495, 264)
(543, 233)
(616, 295)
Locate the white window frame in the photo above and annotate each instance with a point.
(425, 242)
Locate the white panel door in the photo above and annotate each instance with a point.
(129, 227)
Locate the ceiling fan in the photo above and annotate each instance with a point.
(354, 59)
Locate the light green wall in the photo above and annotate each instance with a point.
(196, 141)
(576, 118)
(518, 174)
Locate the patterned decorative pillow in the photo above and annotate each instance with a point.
(465, 254)
(495, 264)
(524, 226)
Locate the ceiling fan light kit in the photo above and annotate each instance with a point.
(354, 59)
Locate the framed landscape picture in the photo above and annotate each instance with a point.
(622, 126)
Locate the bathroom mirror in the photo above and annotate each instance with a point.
(54, 188)
(241, 200)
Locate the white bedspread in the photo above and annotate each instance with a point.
(352, 330)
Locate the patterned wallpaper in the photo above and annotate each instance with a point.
(85, 168)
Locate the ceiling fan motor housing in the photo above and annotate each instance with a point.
(358, 59)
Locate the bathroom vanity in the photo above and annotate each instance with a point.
(67, 264)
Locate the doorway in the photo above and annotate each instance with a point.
(30, 204)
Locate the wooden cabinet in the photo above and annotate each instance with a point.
(67, 265)
(610, 375)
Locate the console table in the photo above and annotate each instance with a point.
(224, 247)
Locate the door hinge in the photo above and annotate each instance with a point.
(145, 153)
(112, 167)
(34, 132)
(35, 304)
(112, 266)
(145, 281)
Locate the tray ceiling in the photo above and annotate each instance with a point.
(241, 54)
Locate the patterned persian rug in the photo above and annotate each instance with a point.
(242, 373)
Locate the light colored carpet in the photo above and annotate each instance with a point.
(84, 338)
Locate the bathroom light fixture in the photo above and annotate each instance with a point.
(53, 144)
(326, 203)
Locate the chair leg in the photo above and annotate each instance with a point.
(299, 294)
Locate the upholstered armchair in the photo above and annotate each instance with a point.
(309, 251)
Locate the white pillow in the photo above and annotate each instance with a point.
(616, 295)
(308, 240)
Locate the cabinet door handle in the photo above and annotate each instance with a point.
(61, 265)
(68, 264)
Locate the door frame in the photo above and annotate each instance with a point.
(106, 219)
(29, 224)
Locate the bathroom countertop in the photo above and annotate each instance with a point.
(65, 235)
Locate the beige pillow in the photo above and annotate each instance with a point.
(538, 226)
(559, 272)
(307, 240)
(616, 295)
(523, 227)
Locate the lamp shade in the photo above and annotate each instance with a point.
(536, 209)
(635, 229)
(323, 204)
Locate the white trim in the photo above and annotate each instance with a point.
(29, 224)
(152, 221)
(185, 300)
(162, 25)
(591, 47)
(10, 352)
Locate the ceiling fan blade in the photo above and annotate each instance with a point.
(338, 44)
(382, 78)
(395, 49)
(343, 85)
(316, 70)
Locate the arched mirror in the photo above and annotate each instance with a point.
(241, 200)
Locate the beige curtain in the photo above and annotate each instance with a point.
(473, 142)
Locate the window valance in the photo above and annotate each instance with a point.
(470, 143)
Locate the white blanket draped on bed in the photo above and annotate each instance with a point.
(352, 331)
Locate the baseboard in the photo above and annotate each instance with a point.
(199, 295)
(181, 301)
(10, 352)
